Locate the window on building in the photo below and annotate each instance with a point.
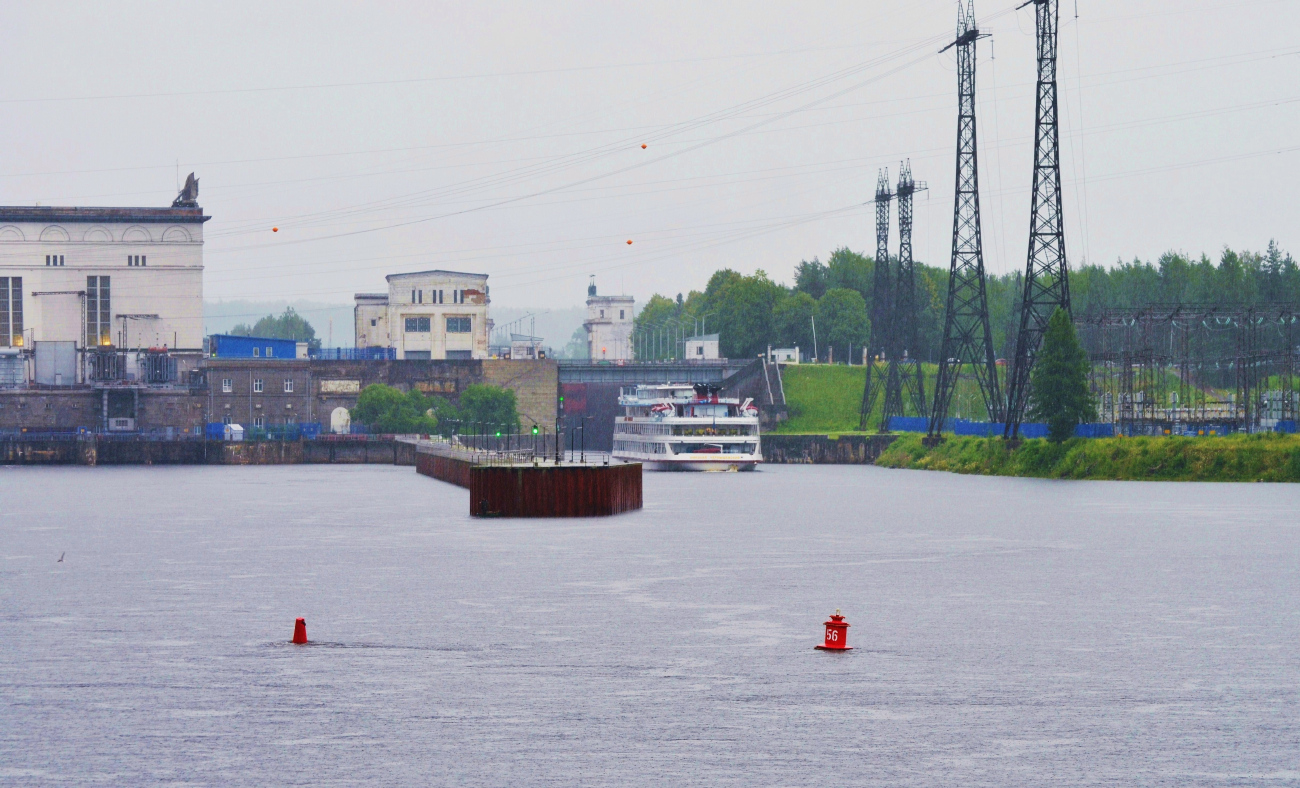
(620, 314)
(439, 296)
(460, 325)
(259, 422)
(412, 296)
(227, 385)
(257, 352)
(54, 259)
(257, 385)
(11, 311)
(374, 322)
(699, 350)
(99, 311)
(226, 419)
(136, 260)
(268, 352)
(288, 385)
(418, 325)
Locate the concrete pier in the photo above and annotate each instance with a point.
(502, 485)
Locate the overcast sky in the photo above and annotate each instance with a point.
(505, 138)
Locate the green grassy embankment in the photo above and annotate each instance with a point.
(825, 399)
(1237, 458)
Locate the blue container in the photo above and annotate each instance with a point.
(227, 346)
(310, 431)
(1287, 426)
(216, 431)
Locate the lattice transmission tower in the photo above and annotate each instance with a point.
(905, 383)
(1047, 276)
(967, 340)
(877, 365)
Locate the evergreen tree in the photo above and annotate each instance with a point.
(1060, 395)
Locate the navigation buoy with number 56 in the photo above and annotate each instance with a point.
(837, 634)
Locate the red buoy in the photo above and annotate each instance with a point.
(837, 634)
(300, 632)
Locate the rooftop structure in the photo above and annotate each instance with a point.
(427, 315)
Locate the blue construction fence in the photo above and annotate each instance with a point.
(988, 429)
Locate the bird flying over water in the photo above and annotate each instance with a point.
(60, 558)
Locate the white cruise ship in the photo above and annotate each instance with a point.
(678, 427)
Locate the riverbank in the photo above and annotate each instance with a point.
(1239, 458)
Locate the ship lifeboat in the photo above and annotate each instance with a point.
(662, 409)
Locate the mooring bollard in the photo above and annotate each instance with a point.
(837, 634)
(300, 632)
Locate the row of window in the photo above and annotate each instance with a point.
(436, 296)
(642, 429)
(11, 311)
(641, 448)
(257, 352)
(637, 428)
(423, 325)
(228, 385)
(132, 260)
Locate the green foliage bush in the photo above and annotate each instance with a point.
(1236, 458)
(386, 409)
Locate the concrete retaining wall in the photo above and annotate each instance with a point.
(824, 449)
(90, 451)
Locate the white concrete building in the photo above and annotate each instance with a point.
(609, 326)
(427, 315)
(130, 278)
(702, 348)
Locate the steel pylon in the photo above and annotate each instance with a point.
(1047, 275)
(881, 305)
(967, 340)
(904, 383)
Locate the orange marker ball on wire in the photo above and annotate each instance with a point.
(643, 146)
(629, 243)
(275, 229)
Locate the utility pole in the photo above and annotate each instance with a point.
(881, 305)
(966, 335)
(1047, 278)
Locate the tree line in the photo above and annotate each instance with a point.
(834, 298)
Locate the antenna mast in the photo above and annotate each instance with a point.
(966, 335)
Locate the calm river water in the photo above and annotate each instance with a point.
(1008, 632)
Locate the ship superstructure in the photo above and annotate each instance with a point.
(685, 427)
